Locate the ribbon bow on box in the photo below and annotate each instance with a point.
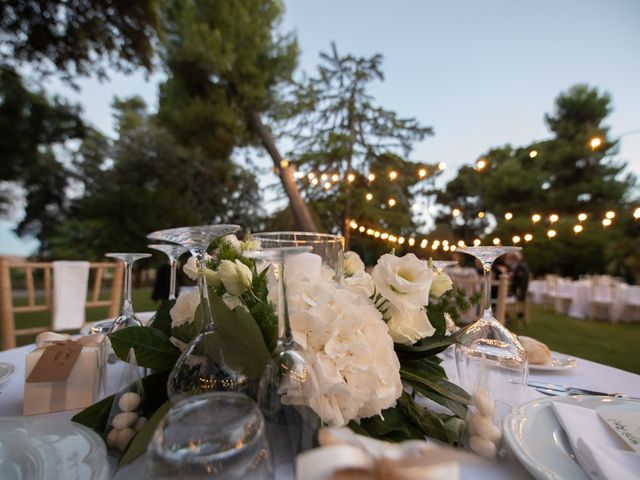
(346, 455)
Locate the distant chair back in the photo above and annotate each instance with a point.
(31, 270)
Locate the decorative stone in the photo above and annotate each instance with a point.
(484, 427)
(140, 423)
(484, 401)
(129, 401)
(112, 438)
(124, 437)
(483, 447)
(124, 420)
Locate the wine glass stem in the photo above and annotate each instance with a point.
(486, 268)
(205, 306)
(127, 308)
(285, 338)
(172, 282)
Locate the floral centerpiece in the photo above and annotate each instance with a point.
(371, 339)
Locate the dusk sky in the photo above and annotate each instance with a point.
(482, 74)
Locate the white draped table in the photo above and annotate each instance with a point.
(587, 374)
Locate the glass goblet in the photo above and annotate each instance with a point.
(288, 378)
(330, 248)
(201, 368)
(488, 350)
(173, 252)
(214, 435)
(127, 316)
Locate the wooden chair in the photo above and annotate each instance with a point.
(8, 309)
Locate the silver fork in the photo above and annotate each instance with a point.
(561, 390)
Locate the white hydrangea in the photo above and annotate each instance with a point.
(347, 344)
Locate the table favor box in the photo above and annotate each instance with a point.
(63, 373)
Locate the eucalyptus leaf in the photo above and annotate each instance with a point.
(139, 444)
(153, 348)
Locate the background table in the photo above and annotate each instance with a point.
(586, 375)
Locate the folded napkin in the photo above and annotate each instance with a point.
(346, 455)
(599, 451)
(70, 285)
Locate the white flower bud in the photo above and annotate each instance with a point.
(236, 277)
(441, 284)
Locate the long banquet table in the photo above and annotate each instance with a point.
(587, 374)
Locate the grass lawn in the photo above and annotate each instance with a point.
(616, 345)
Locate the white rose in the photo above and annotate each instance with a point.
(352, 264)
(233, 241)
(185, 307)
(404, 281)
(191, 270)
(441, 284)
(361, 283)
(409, 326)
(236, 276)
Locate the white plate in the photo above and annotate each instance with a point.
(37, 448)
(559, 361)
(144, 317)
(6, 370)
(538, 441)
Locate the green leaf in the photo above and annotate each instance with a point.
(392, 425)
(430, 364)
(153, 348)
(455, 407)
(162, 318)
(238, 340)
(442, 427)
(434, 382)
(139, 444)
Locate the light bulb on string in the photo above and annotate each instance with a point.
(384, 236)
(508, 216)
(351, 177)
(496, 241)
(424, 243)
(533, 154)
(335, 177)
(391, 202)
(578, 228)
(528, 237)
(553, 218)
(582, 217)
(535, 218)
(516, 239)
(455, 212)
(610, 215)
(400, 240)
(371, 177)
(422, 172)
(551, 233)
(476, 242)
(412, 242)
(393, 175)
(636, 213)
(606, 222)
(368, 196)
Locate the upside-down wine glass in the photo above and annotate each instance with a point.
(127, 316)
(201, 367)
(173, 252)
(290, 426)
(487, 349)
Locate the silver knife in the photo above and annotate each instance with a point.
(576, 390)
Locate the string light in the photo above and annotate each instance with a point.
(480, 214)
(582, 217)
(412, 242)
(335, 177)
(368, 196)
(578, 228)
(361, 229)
(528, 237)
(384, 236)
(424, 243)
(481, 164)
(516, 239)
(456, 211)
(314, 181)
(353, 224)
(351, 177)
(376, 234)
(324, 177)
(391, 202)
(311, 175)
(442, 166)
(606, 222)
(393, 175)
(636, 213)
(476, 242)
(610, 215)
(400, 240)
(371, 177)
(553, 218)
(535, 218)
(461, 244)
(595, 142)
(445, 248)
(298, 175)
(551, 233)
(393, 238)
(496, 241)
(533, 154)
(453, 248)
(508, 216)
(422, 172)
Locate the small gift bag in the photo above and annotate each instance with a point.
(126, 417)
(63, 373)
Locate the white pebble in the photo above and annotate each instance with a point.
(124, 420)
(112, 438)
(129, 401)
(124, 437)
(483, 447)
(483, 400)
(140, 423)
(484, 427)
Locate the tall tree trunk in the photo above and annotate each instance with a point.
(300, 211)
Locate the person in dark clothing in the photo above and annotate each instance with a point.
(519, 281)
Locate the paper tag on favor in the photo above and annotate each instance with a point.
(626, 425)
(56, 363)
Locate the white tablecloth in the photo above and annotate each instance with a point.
(586, 375)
